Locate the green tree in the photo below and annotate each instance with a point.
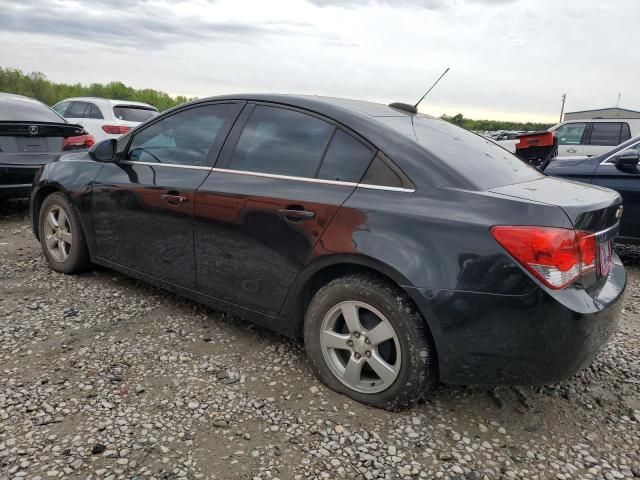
(36, 85)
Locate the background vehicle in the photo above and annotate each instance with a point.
(593, 137)
(399, 245)
(105, 118)
(31, 135)
(616, 169)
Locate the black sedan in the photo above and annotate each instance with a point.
(32, 135)
(616, 169)
(402, 248)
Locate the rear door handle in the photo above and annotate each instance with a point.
(174, 198)
(294, 214)
(571, 150)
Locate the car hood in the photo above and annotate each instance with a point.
(587, 206)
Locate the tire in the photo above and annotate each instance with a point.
(409, 374)
(62, 256)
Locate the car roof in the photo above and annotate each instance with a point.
(108, 101)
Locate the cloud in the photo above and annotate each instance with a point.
(130, 23)
(421, 4)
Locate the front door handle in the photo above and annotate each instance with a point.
(174, 198)
(294, 214)
(571, 150)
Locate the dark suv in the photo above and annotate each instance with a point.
(403, 248)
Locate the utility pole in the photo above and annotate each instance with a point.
(618, 104)
(564, 98)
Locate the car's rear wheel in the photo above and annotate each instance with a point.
(61, 235)
(367, 341)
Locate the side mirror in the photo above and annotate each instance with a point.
(104, 151)
(627, 158)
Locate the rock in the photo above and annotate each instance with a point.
(98, 448)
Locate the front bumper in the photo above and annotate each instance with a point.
(538, 338)
(15, 191)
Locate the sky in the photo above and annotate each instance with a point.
(509, 59)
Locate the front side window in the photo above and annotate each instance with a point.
(607, 134)
(570, 133)
(61, 108)
(281, 141)
(184, 138)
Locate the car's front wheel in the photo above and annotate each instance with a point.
(61, 235)
(367, 341)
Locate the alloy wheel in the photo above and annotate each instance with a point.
(360, 346)
(57, 231)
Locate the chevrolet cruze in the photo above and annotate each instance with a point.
(403, 249)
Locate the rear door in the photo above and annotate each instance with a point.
(603, 136)
(570, 138)
(281, 178)
(626, 181)
(143, 205)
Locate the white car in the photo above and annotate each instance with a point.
(105, 118)
(586, 138)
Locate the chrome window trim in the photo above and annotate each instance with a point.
(275, 176)
(285, 177)
(314, 180)
(384, 187)
(170, 165)
(17, 185)
(606, 160)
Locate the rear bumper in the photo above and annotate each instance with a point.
(539, 338)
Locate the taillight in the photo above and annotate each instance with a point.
(115, 129)
(80, 141)
(557, 256)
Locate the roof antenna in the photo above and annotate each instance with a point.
(431, 88)
(414, 108)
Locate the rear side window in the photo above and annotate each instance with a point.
(76, 110)
(384, 172)
(609, 134)
(479, 161)
(570, 133)
(93, 112)
(280, 141)
(184, 138)
(130, 113)
(346, 159)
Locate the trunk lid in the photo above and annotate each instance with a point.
(39, 129)
(589, 207)
(34, 142)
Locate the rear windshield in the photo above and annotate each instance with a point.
(476, 159)
(133, 114)
(16, 109)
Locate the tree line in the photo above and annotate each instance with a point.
(493, 125)
(36, 85)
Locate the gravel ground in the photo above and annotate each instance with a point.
(103, 377)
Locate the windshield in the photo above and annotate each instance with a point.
(476, 159)
(130, 113)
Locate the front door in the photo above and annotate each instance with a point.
(282, 177)
(570, 139)
(626, 181)
(143, 204)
